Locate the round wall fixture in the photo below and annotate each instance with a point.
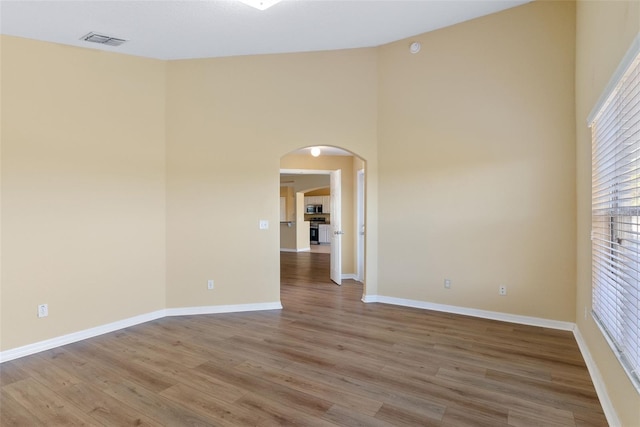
(415, 47)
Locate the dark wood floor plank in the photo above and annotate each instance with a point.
(46, 373)
(326, 359)
(13, 413)
(320, 390)
(49, 407)
(348, 417)
(207, 404)
(111, 367)
(290, 397)
(426, 405)
(153, 405)
(403, 417)
(524, 418)
(465, 417)
(275, 413)
(103, 408)
(10, 372)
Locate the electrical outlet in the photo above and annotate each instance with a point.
(43, 310)
(264, 224)
(209, 284)
(447, 283)
(502, 290)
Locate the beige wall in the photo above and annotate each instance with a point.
(104, 155)
(477, 164)
(288, 236)
(83, 188)
(605, 31)
(229, 121)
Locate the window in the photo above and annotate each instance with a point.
(615, 130)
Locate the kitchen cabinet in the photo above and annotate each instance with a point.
(324, 233)
(313, 200)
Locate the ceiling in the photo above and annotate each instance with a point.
(185, 29)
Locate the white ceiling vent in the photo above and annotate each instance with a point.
(102, 39)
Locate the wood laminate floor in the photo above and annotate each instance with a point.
(326, 359)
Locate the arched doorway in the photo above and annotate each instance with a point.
(302, 173)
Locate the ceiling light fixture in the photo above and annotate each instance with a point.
(260, 4)
(315, 151)
(415, 47)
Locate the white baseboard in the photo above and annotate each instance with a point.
(485, 314)
(369, 298)
(217, 309)
(349, 276)
(37, 347)
(598, 381)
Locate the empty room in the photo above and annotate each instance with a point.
(472, 165)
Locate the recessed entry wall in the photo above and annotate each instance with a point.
(229, 122)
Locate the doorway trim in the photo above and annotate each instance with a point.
(360, 225)
(358, 205)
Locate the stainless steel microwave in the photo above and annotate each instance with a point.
(312, 209)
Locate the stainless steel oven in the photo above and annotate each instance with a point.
(314, 229)
(314, 234)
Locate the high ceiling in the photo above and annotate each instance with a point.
(184, 29)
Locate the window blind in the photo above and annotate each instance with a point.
(615, 131)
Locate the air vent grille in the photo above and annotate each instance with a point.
(102, 39)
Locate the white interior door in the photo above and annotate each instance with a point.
(336, 227)
(360, 226)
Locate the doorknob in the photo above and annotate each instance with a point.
(338, 232)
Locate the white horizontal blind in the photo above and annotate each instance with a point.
(616, 219)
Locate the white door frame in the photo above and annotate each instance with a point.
(360, 226)
(336, 227)
(336, 244)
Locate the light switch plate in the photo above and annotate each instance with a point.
(264, 224)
